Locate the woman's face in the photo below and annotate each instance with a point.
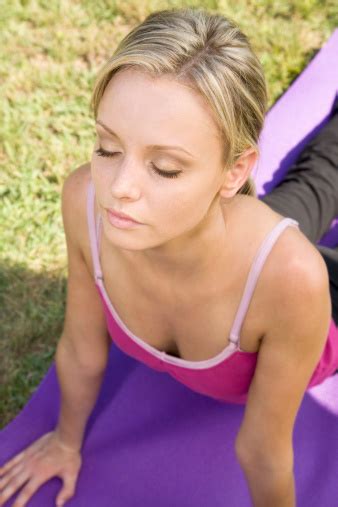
(165, 164)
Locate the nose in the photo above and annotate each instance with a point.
(125, 184)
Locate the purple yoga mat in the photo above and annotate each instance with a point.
(152, 441)
(295, 118)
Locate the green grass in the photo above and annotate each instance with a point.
(50, 52)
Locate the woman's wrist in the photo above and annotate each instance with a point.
(67, 446)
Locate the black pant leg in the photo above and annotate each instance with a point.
(330, 256)
(309, 191)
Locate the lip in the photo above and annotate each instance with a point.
(122, 216)
(121, 223)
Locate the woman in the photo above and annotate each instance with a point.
(179, 108)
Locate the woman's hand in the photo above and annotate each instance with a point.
(45, 458)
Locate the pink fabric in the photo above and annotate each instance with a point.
(228, 375)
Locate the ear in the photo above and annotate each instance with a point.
(236, 176)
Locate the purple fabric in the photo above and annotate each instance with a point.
(151, 440)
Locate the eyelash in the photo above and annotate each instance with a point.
(103, 153)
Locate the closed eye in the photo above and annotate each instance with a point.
(165, 174)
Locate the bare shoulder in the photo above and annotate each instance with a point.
(85, 331)
(293, 265)
(74, 208)
(292, 250)
(74, 191)
(293, 268)
(295, 255)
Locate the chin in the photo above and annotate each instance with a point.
(123, 239)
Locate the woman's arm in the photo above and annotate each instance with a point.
(299, 317)
(83, 348)
(79, 390)
(81, 359)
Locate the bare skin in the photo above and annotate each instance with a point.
(159, 308)
(45, 458)
(175, 281)
(185, 257)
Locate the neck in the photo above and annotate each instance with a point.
(188, 256)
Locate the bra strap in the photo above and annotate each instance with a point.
(254, 273)
(93, 231)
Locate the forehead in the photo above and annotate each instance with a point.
(161, 103)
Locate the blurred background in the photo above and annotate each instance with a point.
(50, 52)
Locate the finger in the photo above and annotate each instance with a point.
(30, 450)
(13, 486)
(27, 492)
(10, 474)
(67, 491)
(9, 464)
(19, 457)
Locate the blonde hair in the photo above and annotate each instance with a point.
(208, 52)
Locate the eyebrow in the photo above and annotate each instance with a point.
(155, 146)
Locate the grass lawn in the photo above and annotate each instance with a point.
(50, 52)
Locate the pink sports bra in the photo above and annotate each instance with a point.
(228, 375)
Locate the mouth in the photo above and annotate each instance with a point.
(121, 221)
(122, 216)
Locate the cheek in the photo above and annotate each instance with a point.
(191, 206)
(176, 210)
